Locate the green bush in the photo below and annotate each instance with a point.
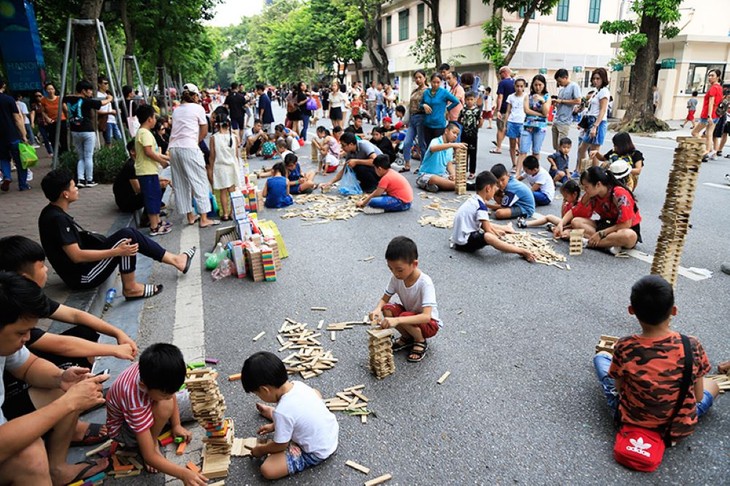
(108, 161)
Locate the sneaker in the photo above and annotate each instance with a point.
(160, 230)
(712, 155)
(91, 184)
(81, 183)
(432, 188)
(372, 210)
(727, 178)
(705, 158)
(5, 185)
(575, 175)
(25, 188)
(550, 227)
(471, 176)
(521, 222)
(615, 250)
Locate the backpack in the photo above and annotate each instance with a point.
(721, 109)
(75, 118)
(291, 106)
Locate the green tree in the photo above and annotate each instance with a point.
(435, 26)
(640, 46)
(372, 15)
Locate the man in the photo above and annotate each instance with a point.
(371, 98)
(655, 98)
(356, 127)
(255, 139)
(12, 132)
(505, 88)
(709, 116)
(264, 108)
(359, 156)
(569, 96)
(444, 70)
(236, 103)
(109, 127)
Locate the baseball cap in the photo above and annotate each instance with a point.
(399, 125)
(620, 169)
(191, 88)
(388, 119)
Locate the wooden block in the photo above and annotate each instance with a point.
(321, 323)
(181, 448)
(100, 448)
(119, 467)
(259, 335)
(358, 467)
(234, 377)
(364, 418)
(318, 308)
(333, 335)
(441, 380)
(353, 388)
(379, 480)
(218, 483)
(137, 465)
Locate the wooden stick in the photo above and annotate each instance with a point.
(443, 378)
(259, 335)
(333, 335)
(191, 465)
(379, 480)
(321, 323)
(181, 448)
(100, 448)
(318, 308)
(234, 377)
(358, 467)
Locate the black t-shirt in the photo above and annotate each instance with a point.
(386, 147)
(123, 192)
(302, 107)
(79, 112)
(236, 105)
(57, 229)
(631, 158)
(8, 129)
(356, 131)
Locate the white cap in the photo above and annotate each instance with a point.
(620, 169)
(191, 88)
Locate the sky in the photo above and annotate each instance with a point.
(229, 12)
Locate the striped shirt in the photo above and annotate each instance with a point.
(128, 402)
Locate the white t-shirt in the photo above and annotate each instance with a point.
(594, 106)
(9, 363)
(186, 121)
(547, 186)
(414, 298)
(488, 102)
(23, 109)
(370, 94)
(468, 219)
(337, 100)
(106, 108)
(302, 417)
(517, 113)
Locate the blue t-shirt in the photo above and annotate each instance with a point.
(505, 88)
(276, 196)
(517, 193)
(561, 161)
(265, 104)
(436, 162)
(439, 107)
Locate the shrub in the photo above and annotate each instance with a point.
(108, 161)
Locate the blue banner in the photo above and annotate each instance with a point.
(20, 46)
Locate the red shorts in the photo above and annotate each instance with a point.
(691, 115)
(331, 168)
(429, 329)
(487, 115)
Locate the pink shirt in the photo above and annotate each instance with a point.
(186, 121)
(128, 402)
(458, 91)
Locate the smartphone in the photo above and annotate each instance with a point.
(102, 372)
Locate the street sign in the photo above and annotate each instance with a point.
(669, 63)
(543, 70)
(577, 69)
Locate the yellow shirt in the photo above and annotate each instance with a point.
(144, 165)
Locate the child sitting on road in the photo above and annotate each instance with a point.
(394, 192)
(559, 161)
(276, 189)
(298, 183)
(305, 432)
(416, 317)
(142, 401)
(384, 143)
(333, 151)
(571, 195)
(515, 198)
(268, 149)
(540, 182)
(472, 229)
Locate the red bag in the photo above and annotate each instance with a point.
(638, 448)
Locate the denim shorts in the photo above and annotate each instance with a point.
(514, 130)
(151, 192)
(600, 135)
(297, 460)
(707, 120)
(531, 140)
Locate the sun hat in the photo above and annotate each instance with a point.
(620, 169)
(191, 88)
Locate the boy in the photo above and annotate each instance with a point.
(148, 160)
(298, 183)
(305, 432)
(691, 109)
(356, 127)
(437, 172)
(540, 182)
(268, 150)
(142, 401)
(471, 121)
(559, 161)
(643, 379)
(393, 193)
(416, 318)
(127, 193)
(516, 199)
(472, 229)
(380, 140)
(488, 113)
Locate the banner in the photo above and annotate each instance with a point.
(20, 46)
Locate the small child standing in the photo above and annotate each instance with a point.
(268, 149)
(488, 113)
(305, 432)
(515, 119)
(276, 190)
(147, 164)
(540, 182)
(559, 161)
(471, 121)
(224, 156)
(416, 317)
(394, 192)
(691, 109)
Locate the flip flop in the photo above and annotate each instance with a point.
(81, 475)
(92, 436)
(405, 170)
(495, 151)
(213, 222)
(149, 291)
(195, 220)
(190, 253)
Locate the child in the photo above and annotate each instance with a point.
(571, 201)
(623, 149)
(542, 185)
(559, 161)
(488, 105)
(298, 183)
(332, 150)
(515, 119)
(472, 229)
(384, 143)
(515, 198)
(224, 156)
(691, 109)
(643, 377)
(147, 164)
(300, 415)
(142, 401)
(394, 193)
(276, 190)
(416, 317)
(268, 149)
(471, 121)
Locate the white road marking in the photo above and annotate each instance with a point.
(188, 330)
(645, 257)
(719, 186)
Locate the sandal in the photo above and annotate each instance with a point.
(149, 291)
(195, 220)
(495, 151)
(401, 343)
(83, 473)
(419, 351)
(92, 436)
(405, 169)
(190, 253)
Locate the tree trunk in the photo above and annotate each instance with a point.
(86, 40)
(520, 33)
(434, 6)
(372, 17)
(129, 40)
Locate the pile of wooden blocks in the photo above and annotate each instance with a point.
(262, 260)
(380, 346)
(606, 343)
(540, 247)
(460, 162)
(723, 381)
(323, 208)
(350, 401)
(208, 409)
(576, 242)
(310, 358)
(267, 261)
(125, 465)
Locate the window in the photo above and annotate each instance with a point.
(563, 8)
(403, 17)
(421, 18)
(587, 79)
(697, 77)
(594, 12)
(388, 29)
(523, 11)
(462, 17)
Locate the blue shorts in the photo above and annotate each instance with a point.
(554, 172)
(707, 121)
(541, 198)
(514, 130)
(531, 140)
(151, 193)
(600, 135)
(237, 123)
(297, 460)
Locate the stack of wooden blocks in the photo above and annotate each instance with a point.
(259, 255)
(677, 207)
(209, 408)
(267, 261)
(576, 242)
(606, 343)
(350, 401)
(382, 363)
(460, 162)
(310, 359)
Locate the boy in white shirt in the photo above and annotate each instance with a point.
(515, 119)
(539, 180)
(305, 432)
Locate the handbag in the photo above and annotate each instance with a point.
(132, 121)
(642, 449)
(349, 185)
(28, 155)
(89, 240)
(585, 122)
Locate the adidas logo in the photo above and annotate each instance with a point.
(639, 447)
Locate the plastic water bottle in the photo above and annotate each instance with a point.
(109, 298)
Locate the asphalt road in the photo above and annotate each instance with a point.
(522, 404)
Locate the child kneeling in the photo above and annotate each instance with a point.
(393, 193)
(300, 415)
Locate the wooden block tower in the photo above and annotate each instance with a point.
(460, 162)
(381, 352)
(677, 207)
(576, 241)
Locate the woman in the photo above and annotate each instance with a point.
(337, 104)
(189, 128)
(595, 124)
(302, 99)
(619, 223)
(623, 149)
(293, 111)
(537, 108)
(50, 113)
(415, 120)
(434, 104)
(389, 96)
(36, 117)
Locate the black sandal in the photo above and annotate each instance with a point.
(419, 349)
(401, 343)
(149, 291)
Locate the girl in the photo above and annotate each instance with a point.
(515, 119)
(338, 104)
(276, 190)
(320, 149)
(537, 109)
(224, 156)
(595, 124)
(330, 152)
(415, 120)
(623, 149)
(571, 202)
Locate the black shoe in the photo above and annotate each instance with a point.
(81, 183)
(91, 184)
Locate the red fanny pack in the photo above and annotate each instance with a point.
(638, 448)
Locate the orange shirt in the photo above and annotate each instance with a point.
(397, 186)
(50, 108)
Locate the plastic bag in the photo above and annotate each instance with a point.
(349, 185)
(28, 155)
(311, 104)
